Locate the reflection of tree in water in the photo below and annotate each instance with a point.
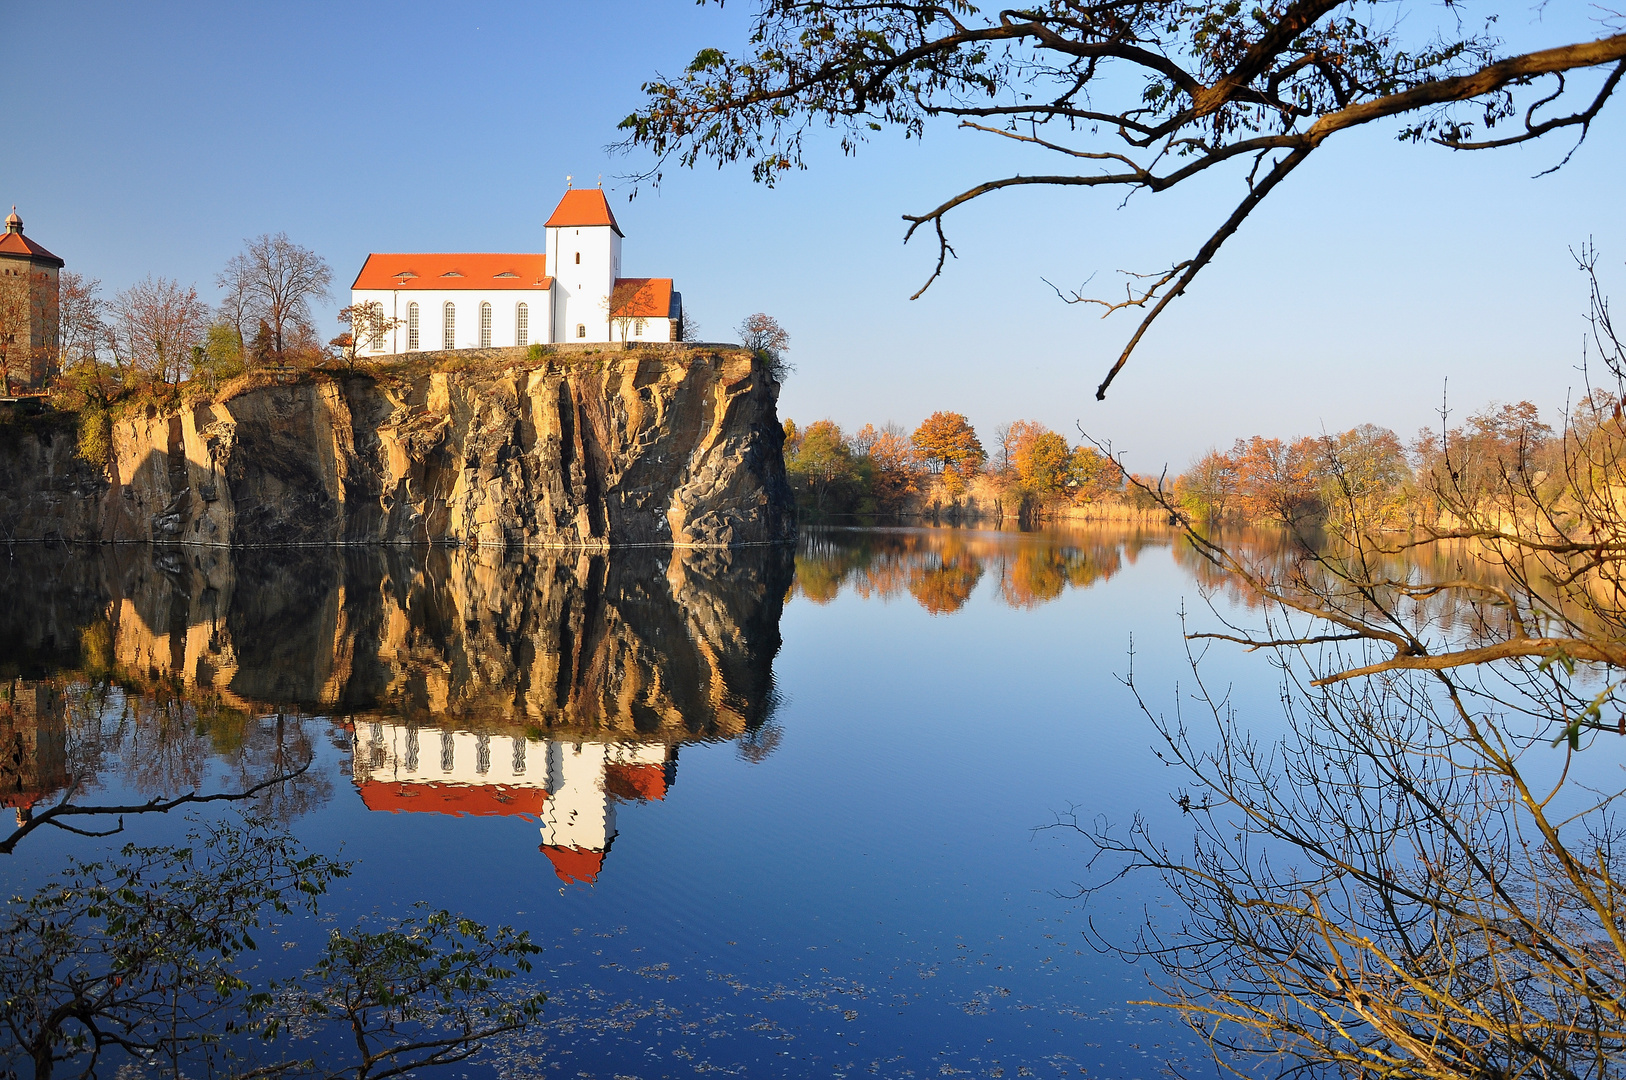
(1314, 567)
(944, 581)
(160, 740)
(940, 568)
(1039, 573)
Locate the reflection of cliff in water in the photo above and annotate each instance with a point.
(206, 652)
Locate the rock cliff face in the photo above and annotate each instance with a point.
(583, 449)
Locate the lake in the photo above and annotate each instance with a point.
(769, 813)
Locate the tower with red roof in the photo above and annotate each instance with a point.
(29, 309)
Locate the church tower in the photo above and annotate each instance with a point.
(584, 255)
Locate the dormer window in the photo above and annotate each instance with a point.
(506, 273)
(451, 273)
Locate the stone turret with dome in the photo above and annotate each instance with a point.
(29, 306)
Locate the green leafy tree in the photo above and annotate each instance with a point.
(427, 990)
(146, 957)
(141, 953)
(91, 389)
(823, 468)
(219, 358)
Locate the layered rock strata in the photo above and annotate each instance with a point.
(580, 449)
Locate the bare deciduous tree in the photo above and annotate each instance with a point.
(154, 326)
(1138, 95)
(688, 327)
(1425, 877)
(763, 335)
(279, 279)
(79, 325)
(238, 304)
(1406, 884)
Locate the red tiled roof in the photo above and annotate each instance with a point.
(642, 298)
(581, 207)
(434, 797)
(574, 864)
(453, 270)
(636, 781)
(15, 243)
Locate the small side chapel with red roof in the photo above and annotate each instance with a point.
(477, 300)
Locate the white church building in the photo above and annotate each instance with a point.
(481, 300)
(571, 788)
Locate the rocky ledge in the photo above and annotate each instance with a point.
(585, 447)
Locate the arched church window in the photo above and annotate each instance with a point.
(581, 329)
(378, 323)
(412, 325)
(448, 326)
(638, 328)
(485, 326)
(522, 325)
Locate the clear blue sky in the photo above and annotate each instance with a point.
(155, 138)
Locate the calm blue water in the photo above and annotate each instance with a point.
(768, 819)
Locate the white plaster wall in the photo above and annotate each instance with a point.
(654, 330)
(583, 288)
(577, 813)
(386, 752)
(431, 303)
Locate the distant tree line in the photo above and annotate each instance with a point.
(1367, 472)
(888, 470)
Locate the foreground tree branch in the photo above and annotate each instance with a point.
(1135, 85)
(64, 809)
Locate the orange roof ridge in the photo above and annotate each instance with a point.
(642, 298)
(15, 243)
(581, 208)
(467, 270)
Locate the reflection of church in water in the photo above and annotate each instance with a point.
(545, 684)
(572, 788)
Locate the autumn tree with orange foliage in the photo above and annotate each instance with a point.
(945, 586)
(1276, 480)
(948, 443)
(897, 469)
